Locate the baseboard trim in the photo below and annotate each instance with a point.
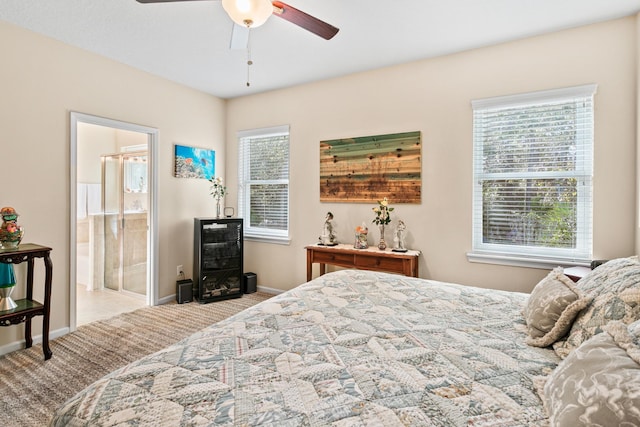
(271, 291)
(167, 299)
(37, 339)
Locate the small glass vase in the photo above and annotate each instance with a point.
(382, 245)
(218, 215)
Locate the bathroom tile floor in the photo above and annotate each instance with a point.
(103, 304)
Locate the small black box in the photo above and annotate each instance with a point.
(183, 291)
(250, 283)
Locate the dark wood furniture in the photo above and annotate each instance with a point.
(217, 259)
(28, 307)
(363, 259)
(576, 273)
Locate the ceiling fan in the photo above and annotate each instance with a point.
(253, 13)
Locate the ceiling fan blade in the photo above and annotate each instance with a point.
(304, 20)
(288, 13)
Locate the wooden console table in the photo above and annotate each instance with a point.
(28, 307)
(363, 259)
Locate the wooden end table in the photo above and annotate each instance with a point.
(28, 307)
(363, 259)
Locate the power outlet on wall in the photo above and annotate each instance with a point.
(180, 271)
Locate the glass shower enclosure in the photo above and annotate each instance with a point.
(125, 203)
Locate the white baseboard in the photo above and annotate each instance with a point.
(271, 291)
(37, 339)
(167, 299)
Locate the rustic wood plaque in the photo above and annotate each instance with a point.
(367, 169)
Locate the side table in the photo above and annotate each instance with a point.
(576, 273)
(364, 259)
(28, 307)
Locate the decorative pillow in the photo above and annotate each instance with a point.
(553, 304)
(615, 287)
(610, 274)
(598, 384)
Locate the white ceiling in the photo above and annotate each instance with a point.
(188, 42)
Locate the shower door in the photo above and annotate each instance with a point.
(125, 201)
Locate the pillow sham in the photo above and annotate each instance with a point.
(615, 288)
(608, 276)
(599, 382)
(551, 308)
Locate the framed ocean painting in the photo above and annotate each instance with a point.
(193, 162)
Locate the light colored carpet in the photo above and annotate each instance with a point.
(31, 388)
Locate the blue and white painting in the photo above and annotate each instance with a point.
(192, 162)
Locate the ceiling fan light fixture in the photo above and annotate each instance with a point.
(248, 13)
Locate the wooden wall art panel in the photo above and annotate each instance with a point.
(367, 169)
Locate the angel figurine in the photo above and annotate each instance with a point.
(398, 239)
(328, 236)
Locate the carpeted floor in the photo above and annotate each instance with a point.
(32, 388)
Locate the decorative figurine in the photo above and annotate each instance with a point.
(328, 237)
(399, 237)
(361, 237)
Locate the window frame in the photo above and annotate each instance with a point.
(261, 234)
(536, 256)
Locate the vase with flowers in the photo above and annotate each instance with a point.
(218, 191)
(381, 219)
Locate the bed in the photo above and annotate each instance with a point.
(349, 348)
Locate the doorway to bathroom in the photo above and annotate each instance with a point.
(113, 244)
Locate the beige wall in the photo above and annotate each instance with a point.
(434, 96)
(42, 81)
(94, 142)
(637, 182)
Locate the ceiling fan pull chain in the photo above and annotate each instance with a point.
(249, 61)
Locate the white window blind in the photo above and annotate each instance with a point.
(263, 171)
(533, 175)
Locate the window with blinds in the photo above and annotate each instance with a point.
(533, 175)
(263, 178)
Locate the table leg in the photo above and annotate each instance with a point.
(27, 325)
(27, 333)
(47, 307)
(322, 268)
(309, 264)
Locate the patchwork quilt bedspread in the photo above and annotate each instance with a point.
(350, 348)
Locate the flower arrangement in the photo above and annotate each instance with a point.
(218, 190)
(382, 212)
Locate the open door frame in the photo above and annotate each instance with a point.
(152, 271)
